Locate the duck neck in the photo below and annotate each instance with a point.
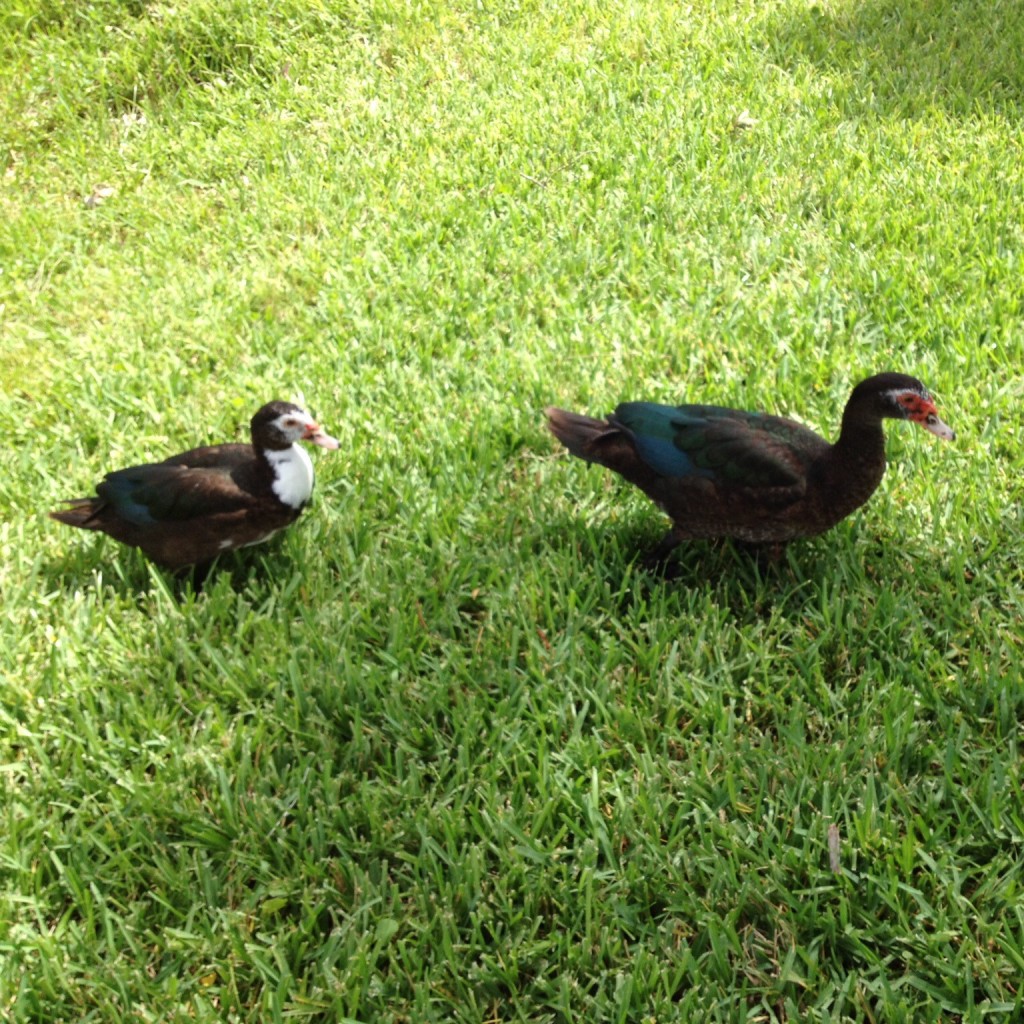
(291, 473)
(857, 462)
(861, 437)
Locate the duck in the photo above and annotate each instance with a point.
(751, 477)
(190, 508)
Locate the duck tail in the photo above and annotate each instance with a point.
(577, 432)
(80, 512)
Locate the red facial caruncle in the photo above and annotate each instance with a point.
(921, 409)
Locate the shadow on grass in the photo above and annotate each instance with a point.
(734, 574)
(847, 567)
(906, 57)
(128, 573)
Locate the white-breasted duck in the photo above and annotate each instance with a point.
(191, 507)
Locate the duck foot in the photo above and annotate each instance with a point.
(765, 555)
(658, 560)
(193, 575)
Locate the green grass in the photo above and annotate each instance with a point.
(446, 752)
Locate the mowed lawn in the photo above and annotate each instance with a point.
(447, 751)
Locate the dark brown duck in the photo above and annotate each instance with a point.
(750, 476)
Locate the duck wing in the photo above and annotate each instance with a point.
(171, 492)
(729, 448)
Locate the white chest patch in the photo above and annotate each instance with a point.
(293, 475)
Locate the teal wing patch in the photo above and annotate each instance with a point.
(165, 493)
(726, 446)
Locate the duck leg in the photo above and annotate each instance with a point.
(659, 555)
(765, 554)
(193, 576)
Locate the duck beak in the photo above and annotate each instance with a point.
(315, 433)
(935, 426)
